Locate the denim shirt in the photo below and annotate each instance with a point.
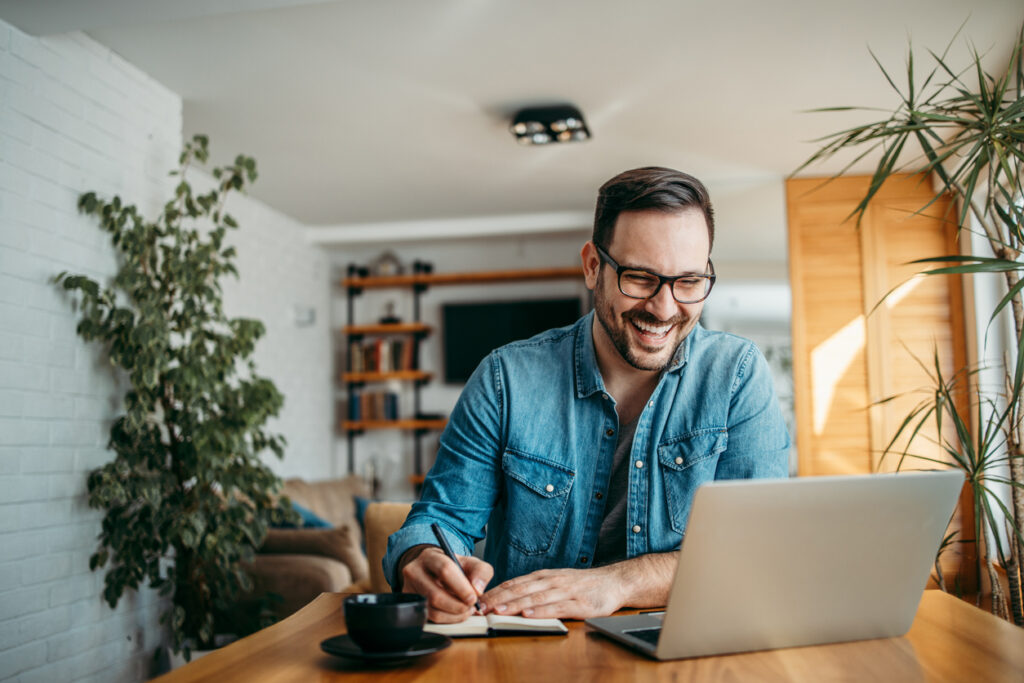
(528, 449)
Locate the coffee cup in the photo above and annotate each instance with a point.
(385, 622)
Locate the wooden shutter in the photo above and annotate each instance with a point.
(849, 350)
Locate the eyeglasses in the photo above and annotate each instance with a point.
(637, 283)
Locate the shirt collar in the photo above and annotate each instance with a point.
(588, 375)
(683, 352)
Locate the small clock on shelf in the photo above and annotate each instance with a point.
(386, 265)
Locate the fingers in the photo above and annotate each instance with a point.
(450, 595)
(523, 594)
(563, 593)
(479, 573)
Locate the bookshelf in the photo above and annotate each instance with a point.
(414, 280)
(404, 368)
(401, 375)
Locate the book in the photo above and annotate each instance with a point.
(497, 625)
(355, 411)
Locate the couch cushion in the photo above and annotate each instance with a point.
(330, 499)
(297, 579)
(340, 543)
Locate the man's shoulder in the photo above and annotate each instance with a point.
(542, 342)
(718, 343)
(723, 353)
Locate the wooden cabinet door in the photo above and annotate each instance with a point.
(851, 351)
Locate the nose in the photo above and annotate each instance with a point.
(662, 305)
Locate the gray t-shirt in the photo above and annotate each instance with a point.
(611, 543)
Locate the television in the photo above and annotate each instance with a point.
(472, 330)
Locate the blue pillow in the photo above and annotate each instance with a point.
(361, 505)
(309, 518)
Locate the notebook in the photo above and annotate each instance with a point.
(768, 564)
(498, 625)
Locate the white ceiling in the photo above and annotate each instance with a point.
(367, 111)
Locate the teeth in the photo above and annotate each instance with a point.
(653, 329)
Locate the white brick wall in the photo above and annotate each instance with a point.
(73, 116)
(279, 272)
(76, 117)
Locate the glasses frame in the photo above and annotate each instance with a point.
(662, 279)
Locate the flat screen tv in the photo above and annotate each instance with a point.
(472, 330)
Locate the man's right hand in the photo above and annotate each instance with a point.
(451, 596)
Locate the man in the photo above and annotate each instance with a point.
(580, 449)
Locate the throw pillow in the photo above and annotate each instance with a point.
(307, 519)
(340, 543)
(361, 505)
(310, 520)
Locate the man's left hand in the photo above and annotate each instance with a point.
(560, 593)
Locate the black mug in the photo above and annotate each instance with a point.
(385, 622)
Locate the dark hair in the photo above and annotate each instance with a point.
(649, 188)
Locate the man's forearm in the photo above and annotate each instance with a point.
(646, 581)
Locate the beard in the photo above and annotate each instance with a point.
(635, 354)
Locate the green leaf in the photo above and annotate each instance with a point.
(87, 202)
(194, 413)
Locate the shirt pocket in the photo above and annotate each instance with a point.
(687, 462)
(538, 491)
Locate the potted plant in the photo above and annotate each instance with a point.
(969, 128)
(186, 497)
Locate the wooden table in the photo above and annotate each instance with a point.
(949, 641)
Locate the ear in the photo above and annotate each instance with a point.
(591, 264)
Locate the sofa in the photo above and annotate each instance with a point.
(295, 565)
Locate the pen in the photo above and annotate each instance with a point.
(448, 551)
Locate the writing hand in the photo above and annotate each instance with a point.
(451, 595)
(561, 593)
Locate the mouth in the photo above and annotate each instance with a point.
(651, 334)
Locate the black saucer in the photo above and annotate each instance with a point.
(343, 646)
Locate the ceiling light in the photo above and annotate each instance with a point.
(543, 125)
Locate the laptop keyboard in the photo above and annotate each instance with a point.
(648, 635)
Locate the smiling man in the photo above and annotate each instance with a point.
(578, 451)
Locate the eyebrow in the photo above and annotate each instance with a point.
(654, 272)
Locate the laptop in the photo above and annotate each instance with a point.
(773, 563)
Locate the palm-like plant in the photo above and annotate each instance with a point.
(968, 127)
(982, 453)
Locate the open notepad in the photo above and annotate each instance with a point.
(498, 625)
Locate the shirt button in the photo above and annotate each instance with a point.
(636, 528)
(599, 495)
(584, 560)
(549, 488)
(651, 404)
(679, 461)
(610, 432)
(639, 464)
(606, 397)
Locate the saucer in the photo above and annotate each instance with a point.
(343, 646)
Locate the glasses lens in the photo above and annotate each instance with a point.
(637, 283)
(689, 289)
